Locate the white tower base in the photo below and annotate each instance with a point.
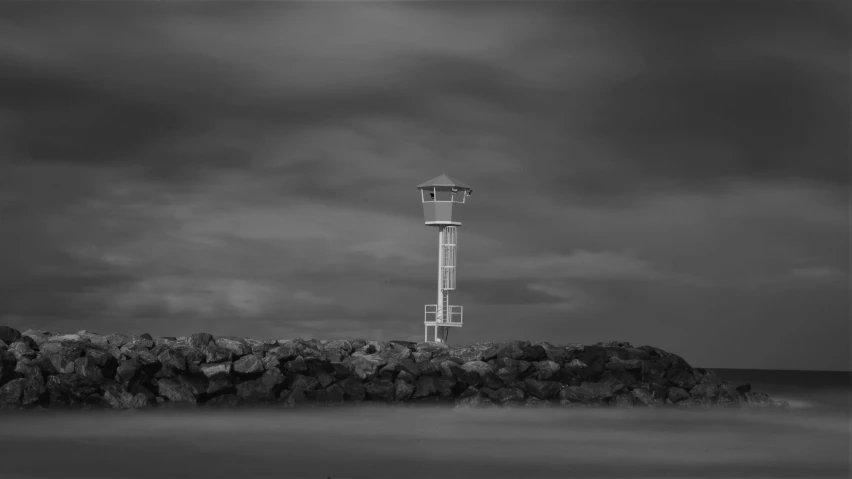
(453, 318)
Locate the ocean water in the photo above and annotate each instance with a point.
(812, 441)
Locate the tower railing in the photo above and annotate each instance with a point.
(454, 317)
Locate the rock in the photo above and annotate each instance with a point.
(225, 400)
(742, 389)
(341, 345)
(127, 369)
(329, 396)
(353, 389)
(575, 364)
(21, 350)
(296, 366)
(508, 374)
(507, 395)
(43, 363)
(298, 381)
(705, 376)
(11, 393)
(477, 368)
(681, 378)
(394, 352)
(249, 364)
(403, 390)
(199, 341)
(694, 402)
(421, 356)
(558, 355)
(62, 356)
(470, 398)
(467, 353)
(217, 370)
(542, 389)
(216, 386)
(513, 350)
(575, 394)
(256, 390)
(624, 401)
(597, 391)
(545, 370)
(94, 339)
(172, 359)
(124, 400)
(614, 384)
(9, 335)
(533, 352)
(70, 389)
(707, 391)
(636, 353)
(365, 367)
(283, 353)
(87, 368)
(727, 396)
(271, 362)
(145, 358)
(118, 340)
(756, 399)
(216, 353)
(379, 389)
(175, 391)
(425, 386)
(677, 394)
(644, 397)
(594, 358)
(36, 335)
(237, 346)
(617, 364)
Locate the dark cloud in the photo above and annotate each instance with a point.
(673, 172)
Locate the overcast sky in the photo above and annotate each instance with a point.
(673, 174)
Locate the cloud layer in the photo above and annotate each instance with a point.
(662, 174)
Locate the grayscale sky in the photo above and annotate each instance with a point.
(665, 173)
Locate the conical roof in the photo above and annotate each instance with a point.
(443, 180)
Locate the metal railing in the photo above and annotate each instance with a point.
(454, 317)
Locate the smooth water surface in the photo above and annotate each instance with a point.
(813, 441)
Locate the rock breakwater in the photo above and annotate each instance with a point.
(39, 369)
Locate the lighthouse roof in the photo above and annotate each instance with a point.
(445, 181)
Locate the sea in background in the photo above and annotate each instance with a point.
(812, 441)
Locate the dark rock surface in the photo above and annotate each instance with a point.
(86, 370)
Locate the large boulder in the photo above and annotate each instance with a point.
(677, 394)
(257, 389)
(513, 350)
(119, 399)
(215, 353)
(237, 346)
(172, 359)
(353, 389)
(175, 391)
(199, 341)
(365, 367)
(11, 393)
(217, 370)
(644, 397)
(545, 370)
(94, 339)
(541, 389)
(36, 335)
(62, 355)
(380, 389)
(248, 365)
(9, 335)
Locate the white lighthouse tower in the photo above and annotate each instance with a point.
(440, 196)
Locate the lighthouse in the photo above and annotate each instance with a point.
(442, 197)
